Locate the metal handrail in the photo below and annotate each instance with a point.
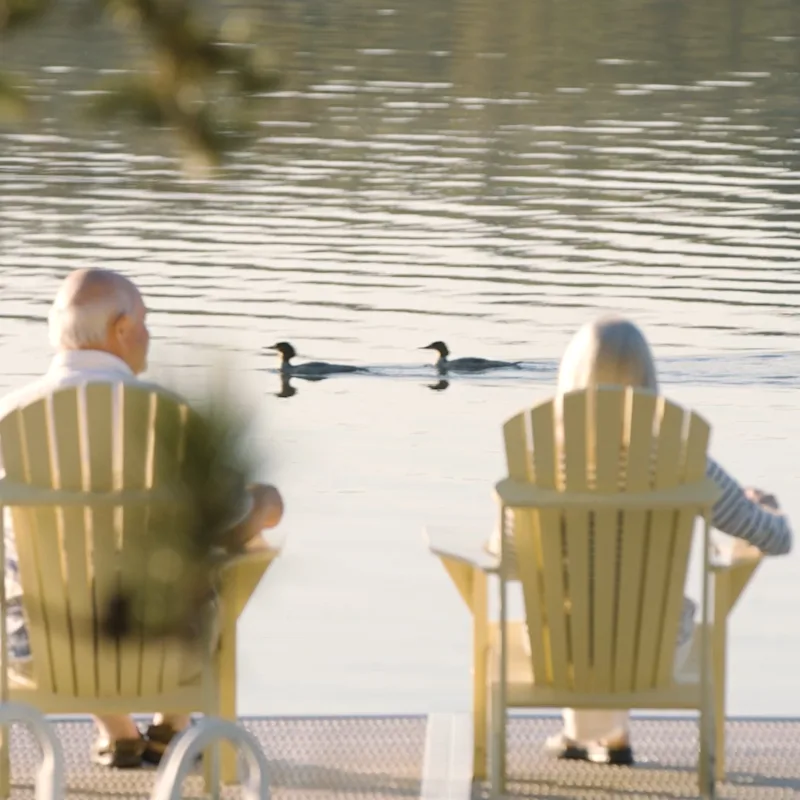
(50, 783)
(181, 755)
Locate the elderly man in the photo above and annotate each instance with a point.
(98, 328)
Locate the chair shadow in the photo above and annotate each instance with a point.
(558, 790)
(281, 774)
(566, 787)
(297, 775)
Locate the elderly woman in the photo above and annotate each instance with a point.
(613, 351)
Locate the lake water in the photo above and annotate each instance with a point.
(490, 174)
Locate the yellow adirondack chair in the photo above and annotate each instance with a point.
(87, 473)
(602, 528)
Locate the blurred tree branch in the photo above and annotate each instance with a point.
(198, 80)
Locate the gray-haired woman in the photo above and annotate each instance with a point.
(613, 351)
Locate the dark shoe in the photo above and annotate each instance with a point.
(157, 739)
(560, 746)
(122, 754)
(621, 755)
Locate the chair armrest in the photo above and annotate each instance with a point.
(465, 546)
(741, 554)
(241, 573)
(732, 574)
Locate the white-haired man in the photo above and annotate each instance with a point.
(99, 330)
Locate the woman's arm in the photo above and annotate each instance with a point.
(760, 523)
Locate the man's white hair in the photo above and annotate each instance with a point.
(88, 301)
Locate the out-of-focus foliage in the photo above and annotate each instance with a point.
(196, 79)
(15, 14)
(13, 102)
(212, 464)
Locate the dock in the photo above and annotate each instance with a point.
(429, 757)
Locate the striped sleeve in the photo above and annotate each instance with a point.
(739, 516)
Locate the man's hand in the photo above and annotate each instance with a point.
(267, 506)
(266, 513)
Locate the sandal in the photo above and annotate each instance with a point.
(121, 754)
(620, 755)
(561, 746)
(157, 739)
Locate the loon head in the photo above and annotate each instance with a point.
(287, 352)
(439, 347)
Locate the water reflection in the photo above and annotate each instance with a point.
(288, 389)
(495, 175)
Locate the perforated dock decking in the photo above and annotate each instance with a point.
(384, 757)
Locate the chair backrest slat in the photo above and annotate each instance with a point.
(658, 544)
(609, 420)
(137, 443)
(55, 667)
(104, 534)
(578, 536)
(15, 461)
(695, 460)
(526, 528)
(169, 433)
(75, 538)
(546, 474)
(606, 586)
(639, 447)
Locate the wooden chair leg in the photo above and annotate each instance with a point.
(719, 716)
(5, 761)
(708, 748)
(719, 645)
(226, 694)
(211, 755)
(480, 725)
(706, 770)
(498, 741)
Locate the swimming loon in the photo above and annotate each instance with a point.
(310, 368)
(443, 364)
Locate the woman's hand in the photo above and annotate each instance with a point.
(762, 498)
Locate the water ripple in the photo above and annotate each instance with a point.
(463, 200)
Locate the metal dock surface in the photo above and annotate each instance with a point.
(395, 757)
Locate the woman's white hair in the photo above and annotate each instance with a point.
(86, 305)
(610, 350)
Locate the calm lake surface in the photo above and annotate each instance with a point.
(490, 174)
